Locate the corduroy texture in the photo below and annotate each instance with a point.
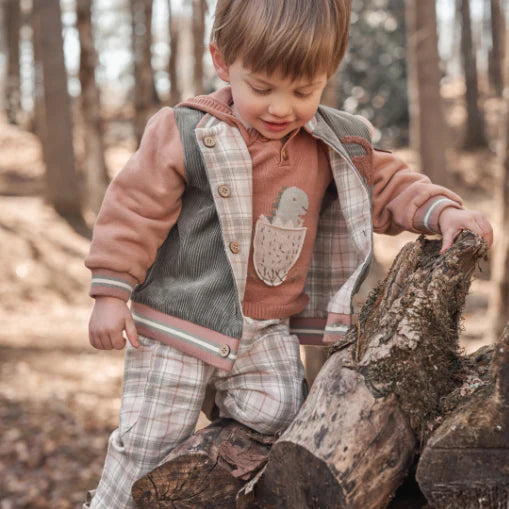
(191, 274)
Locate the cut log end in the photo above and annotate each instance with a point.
(207, 470)
(190, 481)
(466, 461)
(308, 484)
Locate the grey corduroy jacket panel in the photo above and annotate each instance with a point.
(191, 277)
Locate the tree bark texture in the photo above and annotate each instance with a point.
(96, 173)
(174, 35)
(205, 471)
(427, 127)
(144, 89)
(38, 86)
(12, 22)
(496, 56)
(199, 11)
(62, 182)
(466, 462)
(475, 129)
(500, 304)
(354, 439)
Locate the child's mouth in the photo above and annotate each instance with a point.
(275, 126)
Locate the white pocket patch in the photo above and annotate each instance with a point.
(275, 250)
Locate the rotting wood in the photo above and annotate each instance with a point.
(205, 471)
(465, 464)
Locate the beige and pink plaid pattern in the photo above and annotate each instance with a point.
(163, 391)
(228, 163)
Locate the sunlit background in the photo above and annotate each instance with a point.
(59, 398)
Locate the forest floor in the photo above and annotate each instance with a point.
(59, 398)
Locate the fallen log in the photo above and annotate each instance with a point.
(465, 464)
(354, 439)
(205, 471)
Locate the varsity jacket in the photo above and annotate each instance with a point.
(175, 229)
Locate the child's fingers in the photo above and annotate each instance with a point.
(131, 332)
(101, 341)
(485, 230)
(117, 340)
(448, 240)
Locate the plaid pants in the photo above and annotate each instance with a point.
(162, 394)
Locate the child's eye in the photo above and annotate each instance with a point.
(302, 95)
(261, 91)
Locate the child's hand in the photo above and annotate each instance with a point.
(109, 319)
(453, 220)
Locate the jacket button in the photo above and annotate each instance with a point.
(224, 191)
(235, 247)
(209, 141)
(224, 351)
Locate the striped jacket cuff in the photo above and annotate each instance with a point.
(109, 284)
(427, 215)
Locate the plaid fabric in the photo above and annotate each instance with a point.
(228, 162)
(163, 391)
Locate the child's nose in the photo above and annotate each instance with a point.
(279, 108)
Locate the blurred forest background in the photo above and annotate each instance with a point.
(78, 80)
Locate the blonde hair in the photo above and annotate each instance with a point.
(294, 37)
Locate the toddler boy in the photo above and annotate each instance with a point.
(244, 220)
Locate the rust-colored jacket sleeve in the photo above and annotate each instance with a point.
(404, 199)
(141, 205)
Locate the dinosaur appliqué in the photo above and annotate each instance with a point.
(279, 238)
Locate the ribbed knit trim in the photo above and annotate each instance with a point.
(105, 284)
(211, 347)
(309, 330)
(428, 215)
(265, 311)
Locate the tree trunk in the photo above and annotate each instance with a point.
(38, 88)
(427, 127)
(466, 462)
(205, 471)
(96, 173)
(144, 89)
(199, 11)
(496, 56)
(12, 20)
(475, 133)
(175, 93)
(62, 182)
(500, 266)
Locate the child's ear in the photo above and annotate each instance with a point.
(220, 65)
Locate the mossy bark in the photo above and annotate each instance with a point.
(466, 462)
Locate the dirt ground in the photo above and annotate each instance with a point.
(58, 397)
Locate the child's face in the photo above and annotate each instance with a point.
(273, 104)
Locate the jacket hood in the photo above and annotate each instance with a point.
(219, 104)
